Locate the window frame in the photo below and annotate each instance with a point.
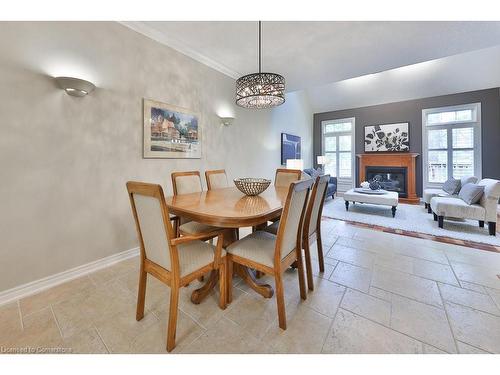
(346, 181)
(475, 123)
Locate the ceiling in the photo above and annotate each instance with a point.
(470, 71)
(313, 54)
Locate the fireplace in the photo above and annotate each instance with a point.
(395, 164)
(390, 178)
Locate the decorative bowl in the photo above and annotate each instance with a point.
(252, 186)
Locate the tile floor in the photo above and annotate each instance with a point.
(380, 293)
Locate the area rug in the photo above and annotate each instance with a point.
(409, 217)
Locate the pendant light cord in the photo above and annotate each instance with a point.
(260, 47)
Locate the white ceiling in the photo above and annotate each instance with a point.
(312, 54)
(468, 71)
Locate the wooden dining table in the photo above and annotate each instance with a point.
(229, 208)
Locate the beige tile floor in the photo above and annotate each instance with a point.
(380, 293)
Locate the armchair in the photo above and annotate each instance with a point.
(175, 261)
(332, 182)
(483, 211)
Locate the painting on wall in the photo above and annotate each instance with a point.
(290, 147)
(387, 138)
(170, 132)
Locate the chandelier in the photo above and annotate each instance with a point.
(260, 90)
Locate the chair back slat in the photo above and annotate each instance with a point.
(284, 177)
(216, 179)
(152, 222)
(186, 182)
(292, 217)
(315, 205)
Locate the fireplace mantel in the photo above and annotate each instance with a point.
(400, 159)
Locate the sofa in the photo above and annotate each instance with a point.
(332, 183)
(483, 211)
(431, 193)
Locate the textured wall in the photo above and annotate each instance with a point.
(64, 161)
(411, 111)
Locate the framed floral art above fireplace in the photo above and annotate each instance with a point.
(387, 138)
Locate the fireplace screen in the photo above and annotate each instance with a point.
(391, 178)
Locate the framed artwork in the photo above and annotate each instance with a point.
(170, 132)
(290, 147)
(387, 138)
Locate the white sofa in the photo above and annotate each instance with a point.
(484, 211)
(431, 193)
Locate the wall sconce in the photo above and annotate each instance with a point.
(75, 86)
(226, 121)
(295, 164)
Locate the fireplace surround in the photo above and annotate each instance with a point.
(400, 160)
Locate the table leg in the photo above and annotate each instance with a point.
(199, 294)
(265, 290)
(248, 276)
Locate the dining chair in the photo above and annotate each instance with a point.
(187, 183)
(311, 230)
(273, 254)
(216, 179)
(174, 261)
(284, 177)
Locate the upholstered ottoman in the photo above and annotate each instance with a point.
(390, 198)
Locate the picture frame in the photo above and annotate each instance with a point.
(290, 147)
(393, 137)
(170, 132)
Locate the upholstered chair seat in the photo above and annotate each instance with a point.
(195, 255)
(258, 247)
(194, 227)
(456, 208)
(431, 193)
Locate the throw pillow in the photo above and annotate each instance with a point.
(452, 186)
(471, 193)
(305, 176)
(316, 173)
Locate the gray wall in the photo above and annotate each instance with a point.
(411, 111)
(64, 161)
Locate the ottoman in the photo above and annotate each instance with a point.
(390, 199)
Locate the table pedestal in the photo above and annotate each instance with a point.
(248, 276)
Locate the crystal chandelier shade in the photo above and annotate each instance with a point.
(260, 90)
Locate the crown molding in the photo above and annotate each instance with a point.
(152, 33)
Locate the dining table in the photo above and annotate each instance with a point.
(231, 209)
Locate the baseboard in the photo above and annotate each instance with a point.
(36, 286)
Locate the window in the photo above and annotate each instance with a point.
(452, 143)
(338, 148)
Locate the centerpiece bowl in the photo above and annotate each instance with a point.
(252, 186)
